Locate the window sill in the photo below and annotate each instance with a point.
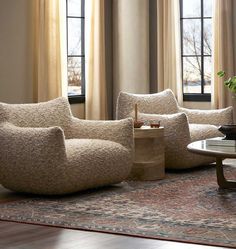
(76, 99)
(195, 97)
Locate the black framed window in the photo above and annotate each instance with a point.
(196, 49)
(75, 50)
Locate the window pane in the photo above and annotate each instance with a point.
(191, 37)
(207, 74)
(192, 74)
(207, 36)
(191, 8)
(74, 36)
(74, 7)
(208, 9)
(74, 76)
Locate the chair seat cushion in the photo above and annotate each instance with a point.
(108, 162)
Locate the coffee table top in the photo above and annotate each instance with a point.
(200, 147)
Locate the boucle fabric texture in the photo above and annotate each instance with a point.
(37, 157)
(213, 117)
(158, 103)
(179, 124)
(46, 114)
(178, 135)
(103, 130)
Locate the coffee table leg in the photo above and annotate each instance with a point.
(222, 182)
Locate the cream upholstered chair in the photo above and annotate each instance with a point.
(45, 150)
(182, 125)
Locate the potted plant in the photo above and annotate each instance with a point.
(230, 82)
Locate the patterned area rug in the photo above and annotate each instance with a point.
(185, 207)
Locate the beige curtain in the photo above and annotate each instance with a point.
(169, 47)
(49, 49)
(96, 92)
(224, 27)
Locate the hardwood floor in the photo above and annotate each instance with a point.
(23, 236)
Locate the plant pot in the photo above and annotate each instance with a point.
(229, 131)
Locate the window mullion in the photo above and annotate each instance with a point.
(76, 67)
(202, 47)
(195, 92)
(82, 50)
(181, 31)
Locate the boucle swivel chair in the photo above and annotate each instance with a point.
(182, 126)
(45, 150)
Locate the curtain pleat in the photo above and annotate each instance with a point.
(224, 45)
(49, 49)
(96, 88)
(169, 47)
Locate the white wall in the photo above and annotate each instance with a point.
(130, 46)
(15, 66)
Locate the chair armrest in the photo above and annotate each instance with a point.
(176, 135)
(120, 131)
(31, 146)
(213, 117)
(175, 125)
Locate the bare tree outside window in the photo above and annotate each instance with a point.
(75, 47)
(196, 26)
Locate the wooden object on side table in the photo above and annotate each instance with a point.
(137, 123)
(149, 160)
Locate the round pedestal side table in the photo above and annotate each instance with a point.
(149, 158)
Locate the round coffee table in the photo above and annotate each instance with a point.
(220, 153)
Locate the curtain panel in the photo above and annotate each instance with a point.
(49, 49)
(169, 47)
(96, 106)
(224, 54)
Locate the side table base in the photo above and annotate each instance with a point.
(147, 171)
(149, 154)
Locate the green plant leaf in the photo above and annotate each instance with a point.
(234, 79)
(230, 82)
(221, 74)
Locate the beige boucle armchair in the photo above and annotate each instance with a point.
(182, 126)
(45, 150)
